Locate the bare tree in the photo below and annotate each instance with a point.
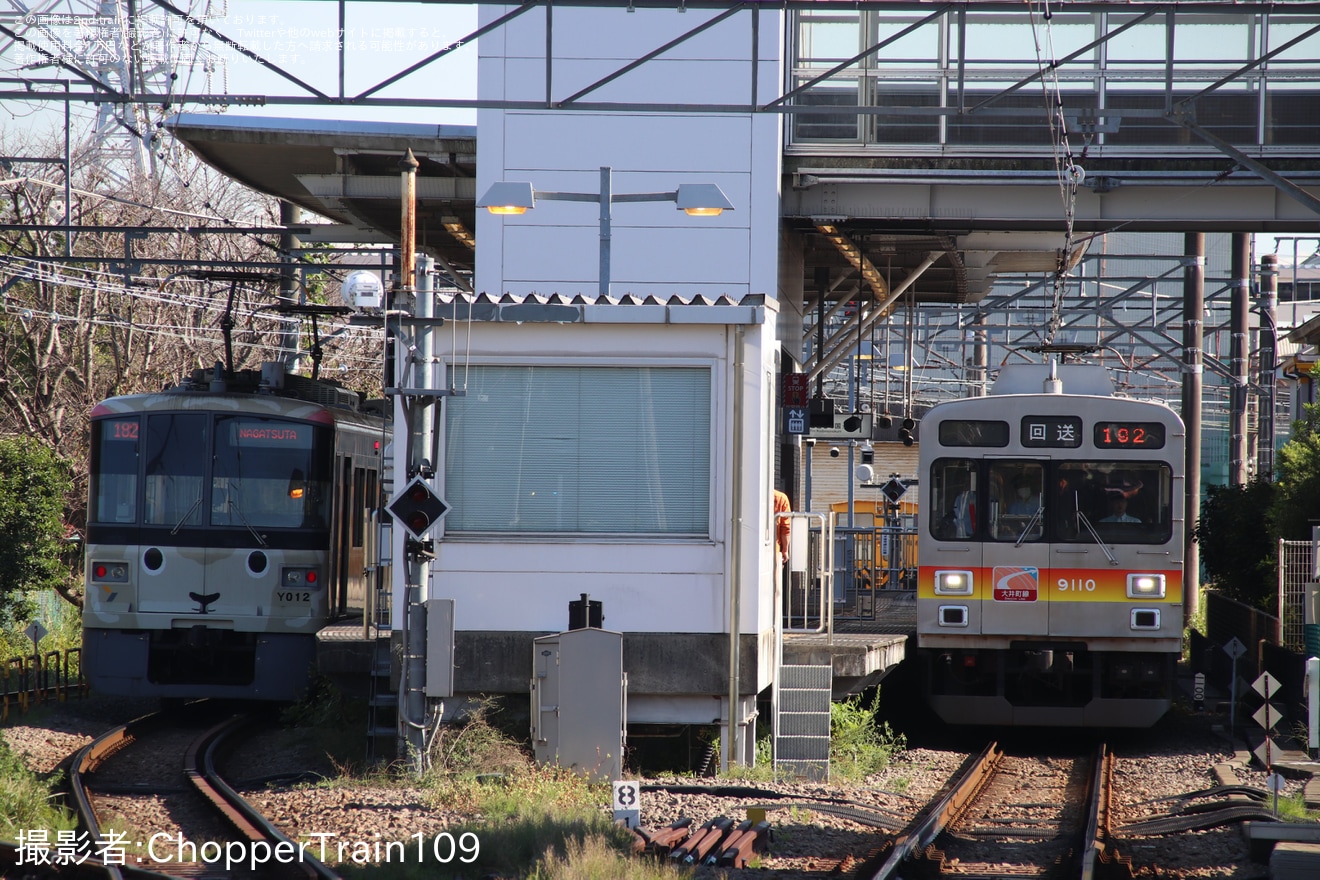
(76, 329)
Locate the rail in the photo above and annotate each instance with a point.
(91, 756)
(1075, 847)
(944, 812)
(843, 572)
(199, 767)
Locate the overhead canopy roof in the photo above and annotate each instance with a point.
(349, 172)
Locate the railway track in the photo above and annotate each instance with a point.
(882, 830)
(219, 833)
(1012, 817)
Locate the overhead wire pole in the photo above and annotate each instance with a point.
(1193, 365)
(290, 215)
(1269, 288)
(412, 364)
(1241, 312)
(419, 718)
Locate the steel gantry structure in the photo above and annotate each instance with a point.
(933, 152)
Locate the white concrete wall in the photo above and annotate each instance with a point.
(646, 586)
(524, 583)
(655, 248)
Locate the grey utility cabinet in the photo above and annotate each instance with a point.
(579, 701)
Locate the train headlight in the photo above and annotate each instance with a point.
(953, 583)
(1145, 586)
(110, 572)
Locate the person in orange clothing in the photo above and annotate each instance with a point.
(782, 505)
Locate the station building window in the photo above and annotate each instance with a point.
(594, 450)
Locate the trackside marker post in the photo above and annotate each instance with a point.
(628, 803)
(1234, 649)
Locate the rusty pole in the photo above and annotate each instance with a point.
(408, 166)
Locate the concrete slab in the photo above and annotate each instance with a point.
(1287, 760)
(859, 660)
(1295, 861)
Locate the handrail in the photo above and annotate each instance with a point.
(824, 572)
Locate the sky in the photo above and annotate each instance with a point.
(1287, 247)
(299, 36)
(295, 35)
(381, 39)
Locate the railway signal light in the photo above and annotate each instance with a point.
(905, 432)
(417, 508)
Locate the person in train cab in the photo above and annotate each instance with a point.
(1025, 500)
(782, 505)
(1118, 502)
(964, 513)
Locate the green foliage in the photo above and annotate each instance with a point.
(764, 770)
(474, 746)
(34, 483)
(1237, 544)
(1292, 808)
(597, 857)
(478, 768)
(549, 818)
(27, 802)
(63, 623)
(1240, 526)
(1297, 490)
(858, 745)
(1195, 621)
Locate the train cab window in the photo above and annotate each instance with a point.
(973, 432)
(954, 501)
(114, 469)
(270, 473)
(175, 468)
(1017, 501)
(1118, 502)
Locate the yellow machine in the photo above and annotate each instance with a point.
(885, 556)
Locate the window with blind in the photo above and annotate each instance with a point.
(580, 450)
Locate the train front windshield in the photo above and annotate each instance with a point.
(205, 469)
(1025, 500)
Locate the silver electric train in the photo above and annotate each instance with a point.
(227, 522)
(1051, 553)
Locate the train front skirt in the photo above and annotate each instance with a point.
(1059, 685)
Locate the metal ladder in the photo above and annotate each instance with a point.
(382, 699)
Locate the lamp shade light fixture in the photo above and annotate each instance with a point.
(508, 197)
(697, 199)
(702, 200)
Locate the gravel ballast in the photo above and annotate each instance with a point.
(1176, 758)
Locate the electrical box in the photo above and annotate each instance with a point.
(579, 702)
(363, 289)
(439, 647)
